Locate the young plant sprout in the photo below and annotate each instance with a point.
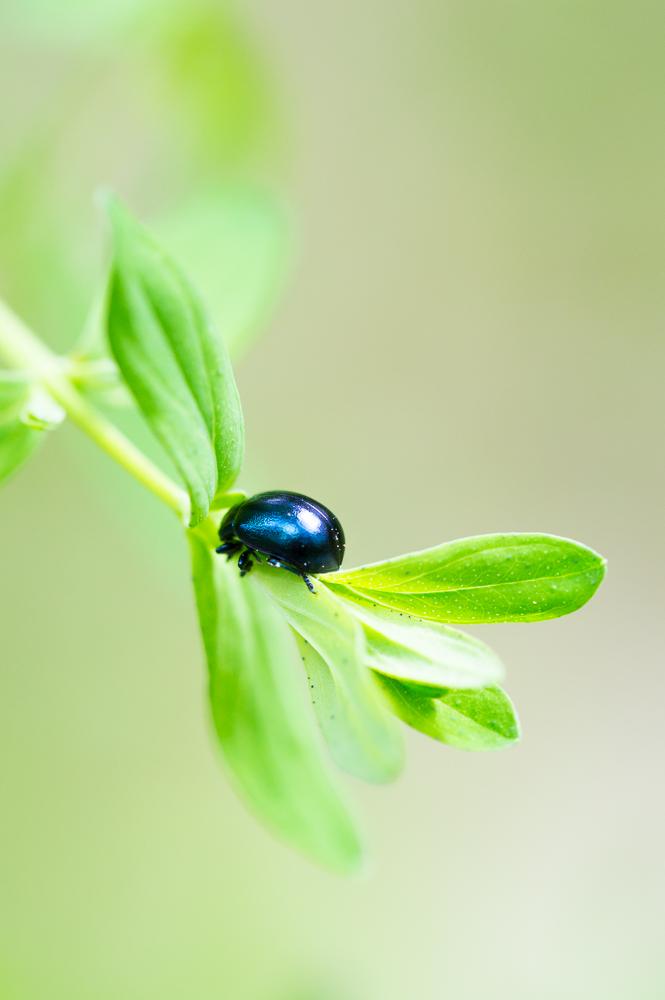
(377, 642)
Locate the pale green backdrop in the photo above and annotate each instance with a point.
(471, 341)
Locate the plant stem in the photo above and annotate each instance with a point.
(24, 350)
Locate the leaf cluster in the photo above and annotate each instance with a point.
(301, 683)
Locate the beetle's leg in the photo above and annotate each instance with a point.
(274, 561)
(245, 561)
(228, 549)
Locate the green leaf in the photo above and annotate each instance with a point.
(237, 242)
(14, 389)
(236, 239)
(20, 430)
(349, 706)
(262, 717)
(422, 652)
(176, 367)
(489, 578)
(218, 98)
(484, 719)
(17, 443)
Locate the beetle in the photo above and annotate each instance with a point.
(290, 530)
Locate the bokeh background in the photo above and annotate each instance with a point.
(468, 198)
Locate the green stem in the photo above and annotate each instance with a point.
(22, 349)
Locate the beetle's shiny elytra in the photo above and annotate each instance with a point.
(289, 530)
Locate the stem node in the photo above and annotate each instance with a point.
(23, 350)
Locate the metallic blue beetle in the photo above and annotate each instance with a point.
(290, 530)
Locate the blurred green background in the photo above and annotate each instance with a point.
(471, 341)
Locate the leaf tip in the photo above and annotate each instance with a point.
(104, 198)
(352, 862)
(122, 222)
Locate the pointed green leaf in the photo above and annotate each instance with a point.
(175, 365)
(261, 714)
(237, 241)
(489, 578)
(484, 719)
(20, 435)
(17, 443)
(422, 652)
(351, 710)
(14, 388)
